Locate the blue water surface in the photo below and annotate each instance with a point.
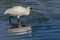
(45, 25)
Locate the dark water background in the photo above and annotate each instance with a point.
(45, 25)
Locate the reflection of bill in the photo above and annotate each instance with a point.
(20, 31)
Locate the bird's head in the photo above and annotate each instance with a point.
(29, 8)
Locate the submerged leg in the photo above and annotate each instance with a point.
(10, 20)
(18, 19)
(19, 24)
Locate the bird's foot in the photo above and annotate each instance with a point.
(14, 26)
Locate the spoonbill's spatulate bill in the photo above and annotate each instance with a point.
(17, 11)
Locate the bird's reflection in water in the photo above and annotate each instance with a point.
(17, 30)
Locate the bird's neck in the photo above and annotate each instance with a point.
(27, 11)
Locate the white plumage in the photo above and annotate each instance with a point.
(18, 11)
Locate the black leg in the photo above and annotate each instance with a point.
(10, 20)
(20, 22)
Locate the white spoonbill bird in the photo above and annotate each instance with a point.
(17, 11)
